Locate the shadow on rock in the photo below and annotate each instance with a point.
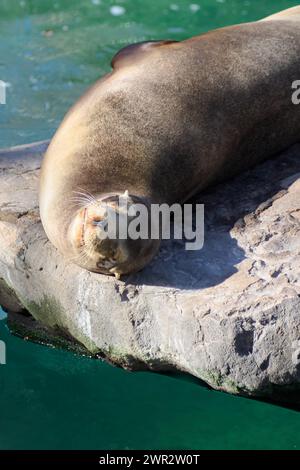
(226, 206)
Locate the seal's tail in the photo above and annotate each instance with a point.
(289, 14)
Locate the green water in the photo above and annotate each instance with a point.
(50, 51)
(52, 399)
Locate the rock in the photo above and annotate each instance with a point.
(228, 314)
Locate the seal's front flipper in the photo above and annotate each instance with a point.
(128, 54)
(289, 14)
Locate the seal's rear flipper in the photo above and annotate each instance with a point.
(129, 53)
(289, 14)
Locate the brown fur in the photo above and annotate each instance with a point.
(174, 118)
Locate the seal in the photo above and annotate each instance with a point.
(171, 119)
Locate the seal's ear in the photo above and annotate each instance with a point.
(130, 53)
(289, 14)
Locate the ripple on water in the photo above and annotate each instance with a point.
(117, 10)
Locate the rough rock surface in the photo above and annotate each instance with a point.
(228, 314)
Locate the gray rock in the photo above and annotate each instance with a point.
(228, 314)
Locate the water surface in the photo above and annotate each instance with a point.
(50, 52)
(53, 399)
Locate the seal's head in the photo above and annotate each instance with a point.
(101, 238)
